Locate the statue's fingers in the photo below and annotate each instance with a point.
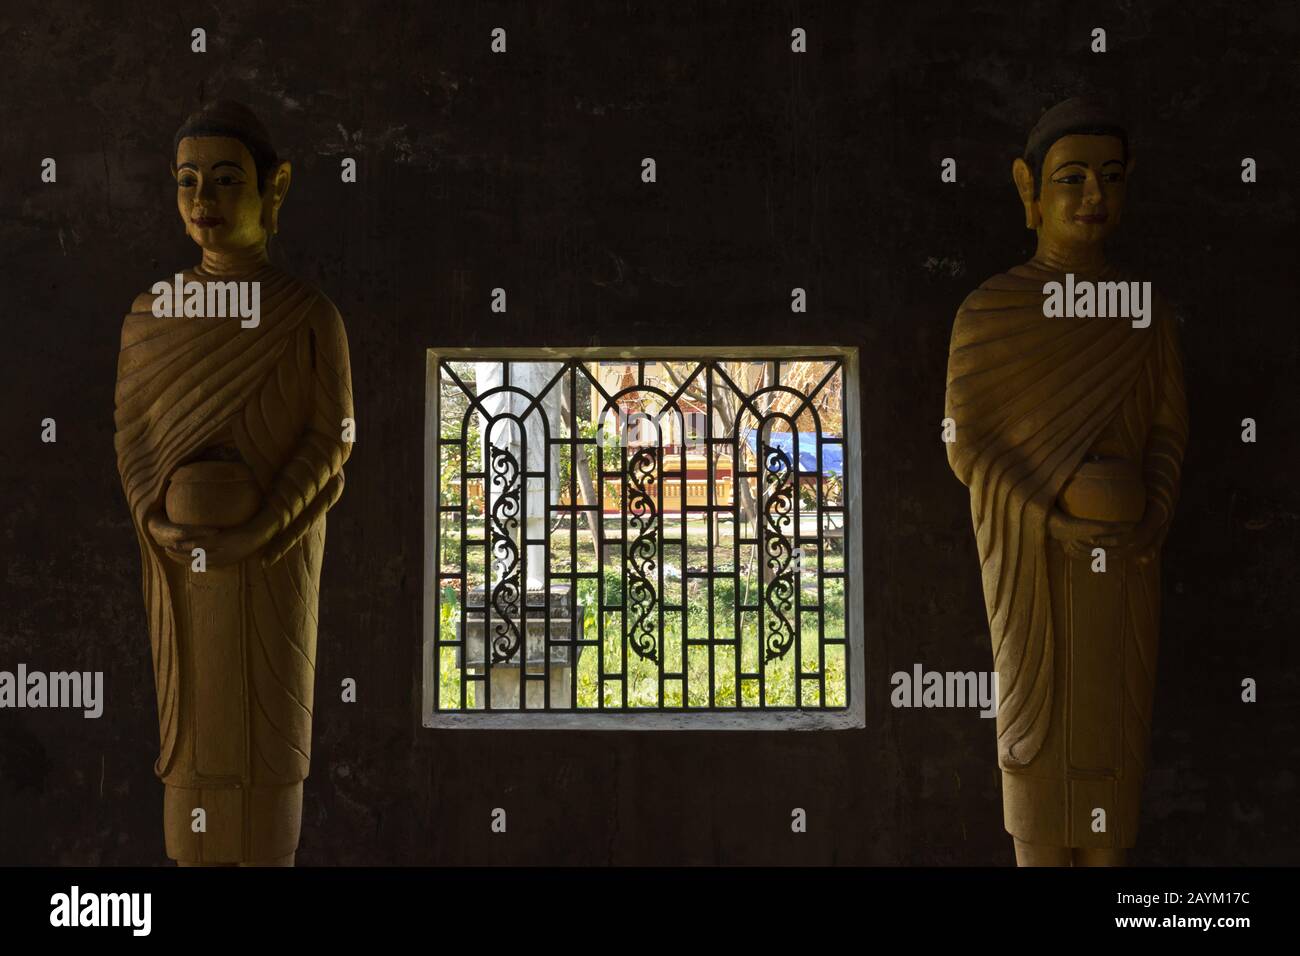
(1096, 530)
(1077, 549)
(190, 543)
(166, 533)
(222, 557)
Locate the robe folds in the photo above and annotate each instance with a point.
(234, 648)
(1074, 650)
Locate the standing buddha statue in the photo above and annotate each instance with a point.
(1070, 434)
(230, 439)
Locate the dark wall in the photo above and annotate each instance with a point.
(775, 170)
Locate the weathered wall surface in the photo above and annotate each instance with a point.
(521, 171)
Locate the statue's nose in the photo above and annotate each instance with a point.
(1092, 189)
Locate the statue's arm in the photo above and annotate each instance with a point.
(957, 460)
(154, 521)
(1167, 441)
(317, 462)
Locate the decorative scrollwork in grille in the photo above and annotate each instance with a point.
(643, 553)
(778, 552)
(506, 592)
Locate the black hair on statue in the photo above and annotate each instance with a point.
(229, 118)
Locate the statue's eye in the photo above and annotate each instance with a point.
(1114, 177)
(1074, 179)
(186, 182)
(228, 181)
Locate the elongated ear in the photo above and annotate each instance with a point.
(185, 222)
(280, 180)
(1024, 180)
(1117, 214)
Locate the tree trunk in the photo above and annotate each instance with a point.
(582, 468)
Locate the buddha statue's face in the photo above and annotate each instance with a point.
(1082, 192)
(217, 194)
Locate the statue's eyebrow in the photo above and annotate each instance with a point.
(1109, 161)
(226, 162)
(1070, 162)
(187, 166)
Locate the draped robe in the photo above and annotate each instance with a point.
(1074, 650)
(234, 648)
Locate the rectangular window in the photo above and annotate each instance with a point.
(657, 538)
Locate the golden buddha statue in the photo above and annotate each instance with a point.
(1070, 432)
(230, 446)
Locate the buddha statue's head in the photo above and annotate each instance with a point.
(229, 182)
(1072, 176)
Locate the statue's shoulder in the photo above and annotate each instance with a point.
(1018, 286)
(144, 302)
(287, 297)
(321, 317)
(1165, 309)
(324, 326)
(323, 310)
(319, 309)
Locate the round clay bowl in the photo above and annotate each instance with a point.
(217, 494)
(1110, 489)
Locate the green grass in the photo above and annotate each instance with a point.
(643, 687)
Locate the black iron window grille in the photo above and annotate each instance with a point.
(653, 535)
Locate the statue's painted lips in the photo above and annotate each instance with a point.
(208, 222)
(1092, 218)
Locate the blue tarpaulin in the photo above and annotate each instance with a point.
(832, 454)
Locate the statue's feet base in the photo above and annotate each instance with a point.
(232, 826)
(278, 861)
(1030, 854)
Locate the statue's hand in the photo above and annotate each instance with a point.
(1079, 536)
(232, 545)
(170, 537)
(1139, 543)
